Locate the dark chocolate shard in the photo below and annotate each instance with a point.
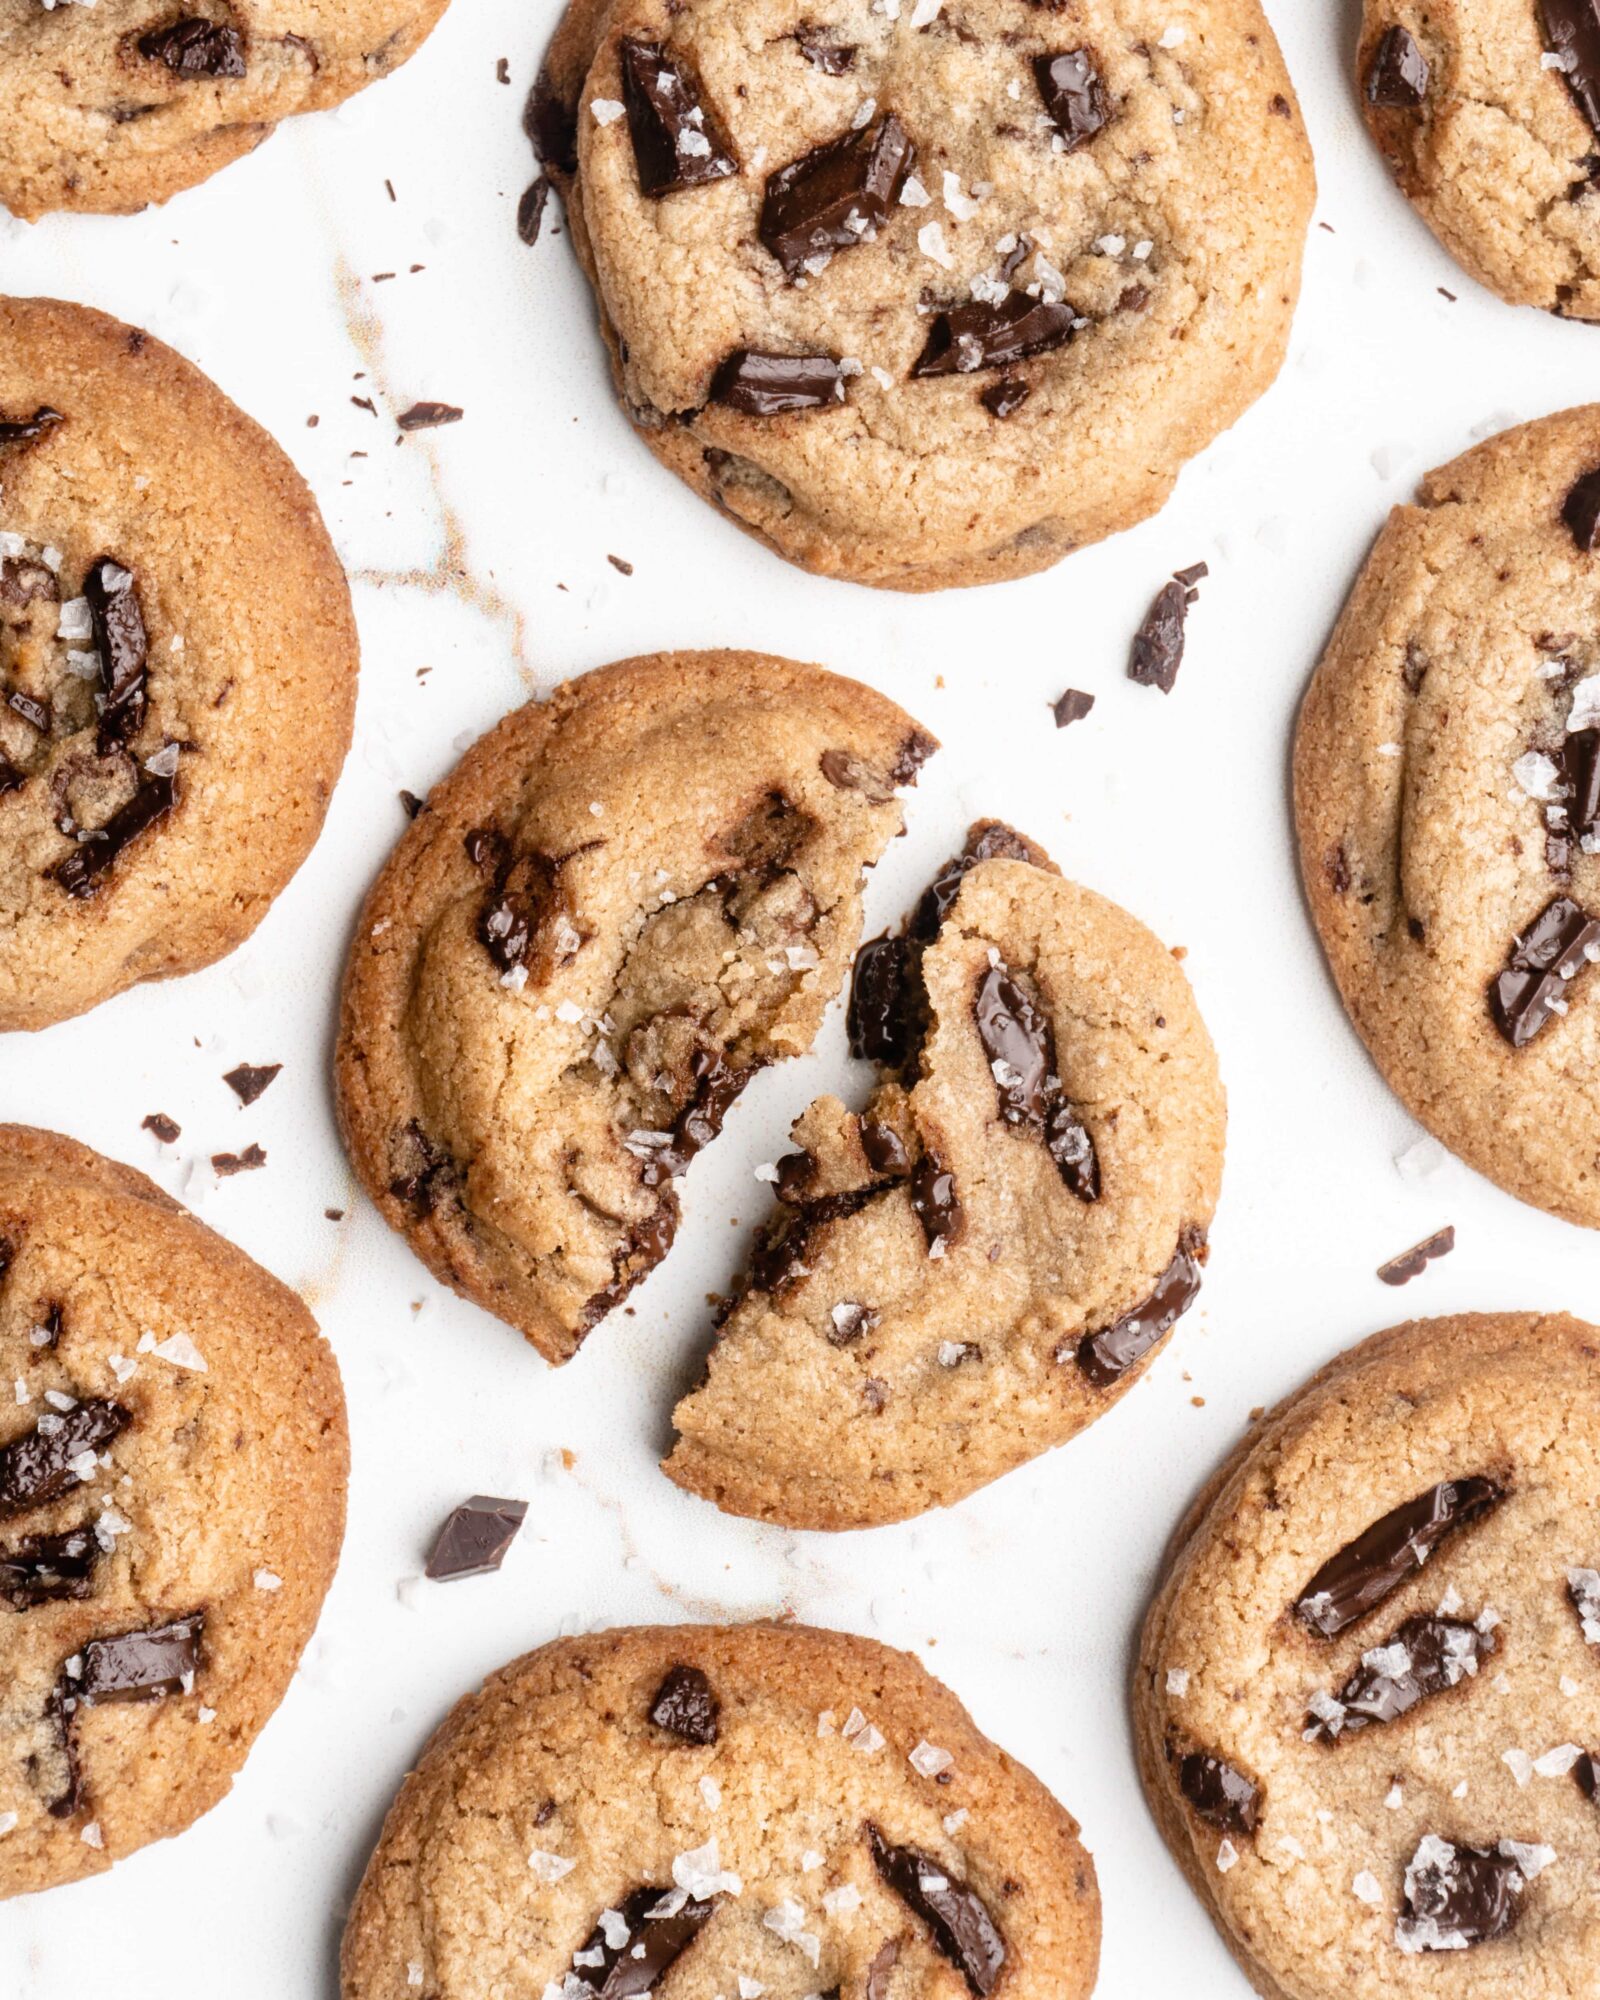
(882, 1019)
(1397, 76)
(1220, 1794)
(165, 1129)
(1423, 1657)
(1580, 783)
(1372, 1567)
(774, 385)
(248, 1080)
(1158, 644)
(832, 58)
(121, 641)
(1572, 29)
(551, 125)
(475, 1537)
(1004, 398)
(1020, 1044)
(1413, 1262)
(678, 141)
(618, 1967)
(136, 1666)
(195, 46)
(1456, 1897)
(80, 874)
(1070, 707)
(962, 1928)
(1105, 1357)
(686, 1707)
(429, 416)
(1581, 511)
(49, 1569)
(977, 335)
(23, 430)
(1074, 95)
(836, 196)
(39, 1465)
(1559, 944)
(936, 1203)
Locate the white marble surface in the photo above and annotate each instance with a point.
(480, 551)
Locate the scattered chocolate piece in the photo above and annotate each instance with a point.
(772, 385)
(82, 870)
(1071, 707)
(1456, 1897)
(228, 1164)
(962, 1927)
(620, 566)
(1105, 1357)
(121, 642)
(475, 1537)
(22, 430)
(1004, 398)
(1572, 28)
(165, 1129)
(1158, 644)
(429, 416)
(977, 335)
(1073, 95)
(531, 208)
(1559, 944)
(138, 1666)
(881, 1021)
(48, 1569)
(196, 47)
(678, 141)
(685, 1706)
(249, 1080)
(1219, 1793)
(836, 196)
(1412, 1263)
(1424, 1657)
(936, 1203)
(653, 1945)
(1393, 1549)
(1581, 510)
(49, 1460)
(1020, 1044)
(551, 125)
(1397, 79)
(502, 70)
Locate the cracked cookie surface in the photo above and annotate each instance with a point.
(1368, 1694)
(173, 1458)
(699, 1811)
(118, 103)
(975, 1266)
(928, 295)
(177, 664)
(1447, 791)
(620, 905)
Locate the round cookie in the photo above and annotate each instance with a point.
(1367, 1701)
(1447, 794)
(1489, 113)
(924, 297)
(976, 1266)
(177, 664)
(116, 103)
(173, 1458)
(621, 904)
(703, 1811)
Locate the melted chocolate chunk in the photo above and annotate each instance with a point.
(551, 125)
(1397, 78)
(936, 1203)
(1581, 510)
(882, 1020)
(1458, 1896)
(1424, 1657)
(1158, 644)
(646, 1244)
(1219, 1793)
(249, 1080)
(677, 140)
(81, 872)
(1074, 95)
(773, 385)
(524, 889)
(717, 1084)
(48, 1569)
(837, 196)
(780, 1258)
(1572, 28)
(23, 430)
(1413, 1262)
(1561, 941)
(38, 1466)
(977, 335)
(196, 47)
(475, 1537)
(990, 842)
(962, 1927)
(429, 416)
(121, 642)
(652, 1947)
(138, 1666)
(1390, 1552)
(847, 772)
(1070, 707)
(885, 1149)
(685, 1706)
(1004, 398)
(1020, 1044)
(1105, 1357)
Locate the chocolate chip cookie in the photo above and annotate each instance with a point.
(701, 1811)
(1447, 782)
(620, 905)
(177, 664)
(979, 1263)
(1489, 113)
(923, 295)
(1367, 1702)
(115, 103)
(172, 1478)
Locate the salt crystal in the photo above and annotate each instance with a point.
(1366, 1888)
(606, 110)
(266, 1579)
(930, 240)
(928, 1761)
(1227, 1855)
(550, 1867)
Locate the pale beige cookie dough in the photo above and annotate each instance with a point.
(173, 1459)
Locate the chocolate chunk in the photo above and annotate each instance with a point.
(1397, 78)
(990, 841)
(429, 416)
(1020, 1044)
(1412, 1263)
(1424, 1657)
(475, 1537)
(882, 1018)
(226, 1165)
(772, 385)
(847, 772)
(780, 1258)
(717, 1084)
(880, 1973)
(48, 1569)
(39, 1465)
(647, 1242)
(1071, 707)
(22, 430)
(1391, 1551)
(1456, 1897)
(82, 870)
(885, 1149)
(139, 1666)
(121, 642)
(551, 125)
(1581, 512)
(1219, 1793)
(1158, 644)
(962, 1928)
(848, 1321)
(428, 1174)
(654, 1944)
(1073, 95)
(196, 47)
(1561, 941)
(678, 141)
(1580, 783)
(837, 196)
(936, 1203)
(524, 893)
(165, 1129)
(530, 210)
(1105, 1357)
(249, 1080)
(832, 58)
(685, 1706)
(914, 752)
(1586, 1774)
(978, 335)
(1572, 28)
(1004, 398)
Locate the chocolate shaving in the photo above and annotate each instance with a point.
(978, 335)
(1105, 1357)
(836, 196)
(1219, 1793)
(1559, 944)
(429, 416)
(678, 141)
(249, 1080)
(773, 385)
(23, 430)
(49, 1569)
(39, 1465)
(195, 46)
(1020, 1044)
(1389, 1553)
(1572, 28)
(1413, 1262)
(1456, 1897)
(121, 641)
(475, 1537)
(1074, 95)
(685, 1706)
(81, 872)
(1397, 78)
(962, 1928)
(654, 1944)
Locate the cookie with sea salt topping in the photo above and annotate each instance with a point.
(177, 664)
(924, 295)
(112, 104)
(698, 1811)
(622, 903)
(1447, 793)
(1367, 1699)
(1489, 113)
(173, 1458)
(978, 1264)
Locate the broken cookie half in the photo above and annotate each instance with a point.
(975, 1266)
(619, 906)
